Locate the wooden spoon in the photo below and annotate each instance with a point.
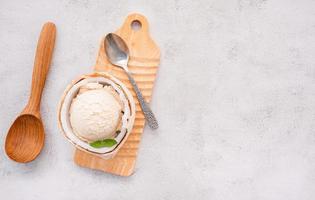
(26, 136)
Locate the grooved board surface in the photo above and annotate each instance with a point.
(143, 63)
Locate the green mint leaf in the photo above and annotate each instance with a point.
(103, 143)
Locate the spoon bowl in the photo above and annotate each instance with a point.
(25, 138)
(116, 50)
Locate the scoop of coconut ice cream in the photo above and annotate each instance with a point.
(95, 114)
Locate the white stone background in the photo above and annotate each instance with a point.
(235, 98)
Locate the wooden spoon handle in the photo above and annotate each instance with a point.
(43, 56)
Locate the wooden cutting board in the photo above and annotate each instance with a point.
(143, 63)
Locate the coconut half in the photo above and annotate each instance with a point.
(127, 117)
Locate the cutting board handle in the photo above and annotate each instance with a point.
(136, 19)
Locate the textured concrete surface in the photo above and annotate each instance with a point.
(235, 98)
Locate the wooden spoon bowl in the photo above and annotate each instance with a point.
(26, 136)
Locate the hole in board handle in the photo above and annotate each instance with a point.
(136, 25)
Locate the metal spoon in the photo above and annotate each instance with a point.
(118, 54)
(26, 136)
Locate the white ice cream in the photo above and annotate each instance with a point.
(95, 113)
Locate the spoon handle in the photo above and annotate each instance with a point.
(148, 114)
(43, 56)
